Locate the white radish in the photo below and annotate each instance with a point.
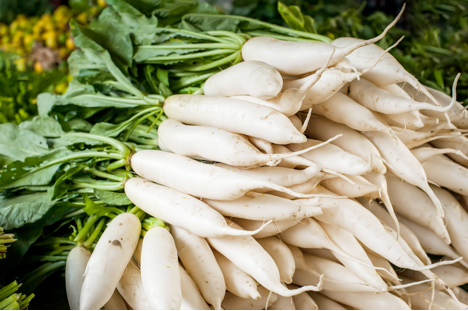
(361, 186)
(426, 152)
(283, 303)
(282, 257)
(191, 297)
(459, 143)
(336, 277)
(273, 228)
(246, 253)
(376, 99)
(290, 101)
(334, 158)
(386, 270)
(325, 303)
(405, 233)
(303, 301)
(348, 243)
(244, 117)
(160, 270)
(461, 294)
(179, 209)
(278, 175)
(196, 178)
(296, 58)
(116, 302)
(403, 163)
(263, 207)
(408, 120)
(113, 251)
(131, 288)
(349, 215)
(457, 221)
(213, 144)
(238, 282)
(387, 71)
(368, 301)
(75, 268)
(233, 302)
(351, 141)
(431, 243)
(343, 109)
(254, 78)
(197, 257)
(452, 275)
(446, 173)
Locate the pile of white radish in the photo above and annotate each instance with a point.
(308, 176)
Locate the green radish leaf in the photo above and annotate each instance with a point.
(44, 126)
(293, 16)
(23, 173)
(20, 210)
(18, 144)
(112, 197)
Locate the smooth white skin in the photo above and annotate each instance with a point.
(179, 209)
(271, 229)
(351, 140)
(337, 277)
(426, 152)
(196, 178)
(446, 173)
(113, 251)
(233, 302)
(350, 215)
(405, 233)
(368, 301)
(430, 242)
(263, 207)
(283, 303)
(461, 294)
(420, 298)
(361, 186)
(457, 221)
(191, 297)
(459, 143)
(387, 272)
(116, 302)
(197, 257)
(233, 115)
(387, 71)
(343, 109)
(160, 275)
(334, 158)
(279, 175)
(131, 288)
(253, 78)
(282, 257)
(403, 163)
(325, 303)
(348, 243)
(303, 301)
(246, 253)
(458, 114)
(374, 98)
(75, 267)
(452, 275)
(408, 120)
(238, 282)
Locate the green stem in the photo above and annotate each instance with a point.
(24, 303)
(135, 124)
(5, 303)
(44, 269)
(102, 174)
(236, 37)
(87, 244)
(197, 46)
(189, 56)
(116, 164)
(9, 289)
(232, 58)
(181, 83)
(113, 142)
(100, 185)
(192, 34)
(85, 230)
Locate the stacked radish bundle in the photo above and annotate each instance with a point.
(302, 182)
